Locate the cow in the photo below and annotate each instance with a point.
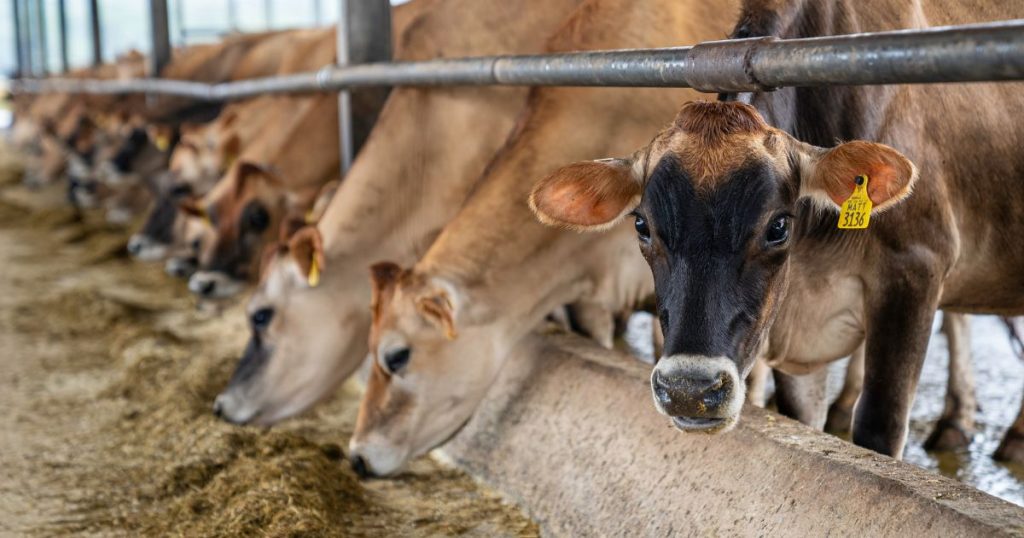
(737, 216)
(443, 327)
(202, 156)
(266, 187)
(309, 329)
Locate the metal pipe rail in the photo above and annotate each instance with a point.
(970, 53)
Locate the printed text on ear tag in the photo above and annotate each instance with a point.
(856, 211)
(314, 273)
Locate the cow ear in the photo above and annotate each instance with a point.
(436, 306)
(249, 171)
(306, 247)
(587, 196)
(384, 277)
(270, 253)
(190, 206)
(829, 176)
(231, 149)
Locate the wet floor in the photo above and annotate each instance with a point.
(999, 378)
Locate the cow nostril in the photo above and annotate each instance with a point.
(218, 408)
(660, 390)
(134, 247)
(206, 288)
(359, 466)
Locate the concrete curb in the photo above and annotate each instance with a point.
(569, 432)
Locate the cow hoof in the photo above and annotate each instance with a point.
(840, 420)
(1011, 449)
(948, 435)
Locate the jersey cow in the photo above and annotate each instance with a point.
(309, 329)
(443, 328)
(739, 222)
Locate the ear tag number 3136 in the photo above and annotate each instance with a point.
(856, 211)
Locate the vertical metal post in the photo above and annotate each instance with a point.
(19, 46)
(27, 32)
(344, 97)
(41, 37)
(62, 25)
(364, 35)
(268, 12)
(318, 13)
(97, 35)
(161, 36)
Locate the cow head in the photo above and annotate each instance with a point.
(164, 229)
(715, 199)
(434, 360)
(243, 219)
(305, 338)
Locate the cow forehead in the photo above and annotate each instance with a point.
(710, 140)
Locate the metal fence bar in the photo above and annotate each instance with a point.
(19, 47)
(97, 32)
(160, 36)
(344, 97)
(43, 48)
(62, 28)
(973, 53)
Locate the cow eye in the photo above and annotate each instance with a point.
(257, 219)
(641, 229)
(396, 359)
(181, 190)
(261, 318)
(778, 232)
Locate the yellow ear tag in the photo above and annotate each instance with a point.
(314, 273)
(206, 219)
(310, 218)
(856, 211)
(162, 143)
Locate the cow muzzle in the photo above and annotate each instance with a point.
(144, 248)
(698, 393)
(214, 285)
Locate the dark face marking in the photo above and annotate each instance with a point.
(254, 360)
(236, 249)
(716, 256)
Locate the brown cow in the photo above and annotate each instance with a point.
(267, 187)
(443, 328)
(738, 222)
(402, 188)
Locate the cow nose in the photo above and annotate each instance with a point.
(694, 395)
(218, 407)
(134, 246)
(360, 468)
(206, 287)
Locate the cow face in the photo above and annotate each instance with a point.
(304, 341)
(164, 229)
(715, 197)
(431, 369)
(242, 220)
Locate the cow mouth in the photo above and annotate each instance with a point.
(698, 424)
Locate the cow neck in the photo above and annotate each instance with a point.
(429, 146)
(495, 245)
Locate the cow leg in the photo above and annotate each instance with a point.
(899, 326)
(757, 382)
(803, 397)
(1011, 448)
(595, 321)
(955, 427)
(840, 413)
